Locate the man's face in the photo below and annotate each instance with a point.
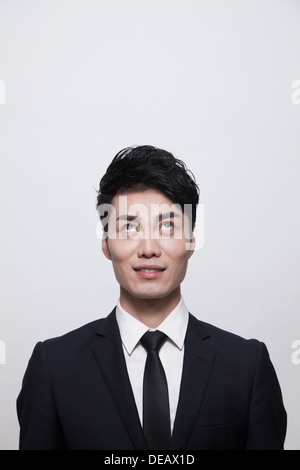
(147, 233)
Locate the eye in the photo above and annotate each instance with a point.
(167, 225)
(130, 227)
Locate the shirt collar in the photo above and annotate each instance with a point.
(174, 326)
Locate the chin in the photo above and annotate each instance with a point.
(149, 295)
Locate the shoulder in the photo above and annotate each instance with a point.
(76, 341)
(222, 340)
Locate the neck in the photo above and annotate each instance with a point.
(151, 312)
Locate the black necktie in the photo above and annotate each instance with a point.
(156, 409)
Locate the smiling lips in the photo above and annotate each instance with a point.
(149, 271)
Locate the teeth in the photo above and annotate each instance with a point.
(150, 270)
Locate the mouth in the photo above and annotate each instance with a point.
(149, 272)
(149, 268)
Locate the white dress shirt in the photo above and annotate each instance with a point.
(171, 353)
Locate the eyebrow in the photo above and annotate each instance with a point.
(166, 215)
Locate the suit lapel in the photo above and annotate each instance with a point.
(197, 366)
(109, 354)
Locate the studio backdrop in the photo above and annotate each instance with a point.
(215, 82)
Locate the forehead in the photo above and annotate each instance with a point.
(134, 201)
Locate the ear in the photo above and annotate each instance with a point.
(191, 244)
(105, 247)
(191, 250)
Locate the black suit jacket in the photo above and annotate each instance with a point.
(76, 393)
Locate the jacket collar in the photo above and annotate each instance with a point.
(199, 357)
(108, 351)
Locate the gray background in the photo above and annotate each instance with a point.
(210, 81)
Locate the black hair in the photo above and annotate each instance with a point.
(144, 167)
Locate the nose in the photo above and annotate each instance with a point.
(149, 247)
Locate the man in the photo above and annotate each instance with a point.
(150, 375)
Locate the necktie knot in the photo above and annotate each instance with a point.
(153, 340)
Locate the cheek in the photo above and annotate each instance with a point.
(176, 253)
(175, 248)
(121, 252)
